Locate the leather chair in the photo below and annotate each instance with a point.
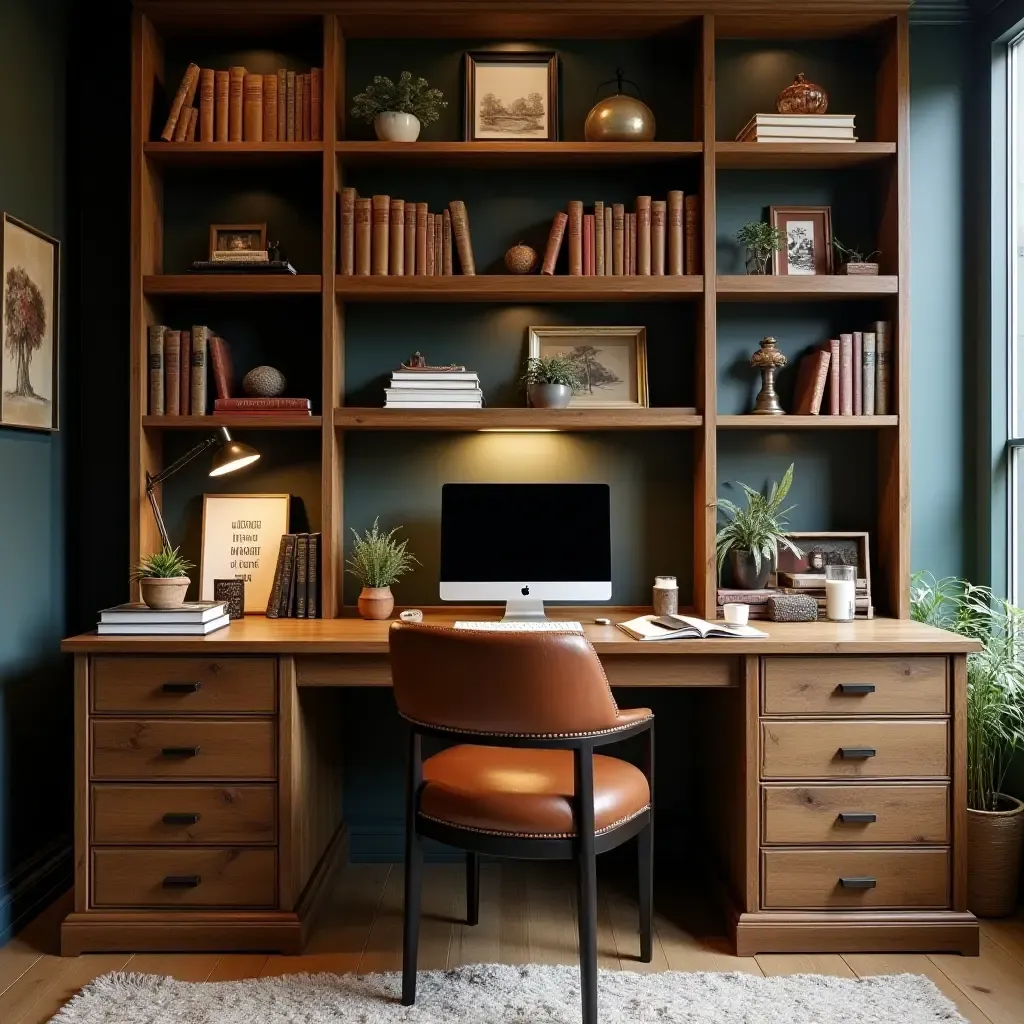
(527, 711)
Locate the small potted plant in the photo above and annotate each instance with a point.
(163, 578)
(761, 241)
(751, 536)
(397, 111)
(854, 261)
(551, 382)
(377, 561)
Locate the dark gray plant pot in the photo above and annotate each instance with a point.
(549, 396)
(744, 571)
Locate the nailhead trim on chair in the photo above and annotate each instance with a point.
(535, 835)
(531, 735)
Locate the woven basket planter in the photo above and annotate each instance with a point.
(995, 840)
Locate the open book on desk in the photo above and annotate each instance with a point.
(683, 627)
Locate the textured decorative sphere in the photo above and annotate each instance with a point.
(265, 382)
(619, 118)
(802, 97)
(521, 259)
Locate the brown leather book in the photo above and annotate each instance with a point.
(410, 239)
(289, 122)
(643, 235)
(260, 405)
(658, 210)
(220, 364)
(156, 369)
(307, 108)
(438, 244)
(832, 347)
(857, 373)
(884, 359)
(185, 374)
(675, 232)
(631, 241)
(252, 108)
(463, 241)
(422, 216)
(447, 262)
(431, 231)
(300, 85)
(691, 231)
(200, 354)
(362, 231)
(599, 238)
(206, 98)
(348, 231)
(381, 214)
(575, 238)
(316, 116)
(608, 244)
(182, 98)
(846, 374)
(193, 121)
(588, 245)
(236, 77)
(396, 245)
(181, 128)
(555, 236)
(172, 369)
(270, 108)
(282, 104)
(221, 92)
(618, 239)
(812, 376)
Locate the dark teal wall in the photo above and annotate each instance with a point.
(35, 684)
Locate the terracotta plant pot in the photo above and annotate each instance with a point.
(995, 840)
(745, 573)
(859, 269)
(396, 126)
(549, 396)
(376, 602)
(160, 592)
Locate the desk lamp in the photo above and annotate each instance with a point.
(231, 455)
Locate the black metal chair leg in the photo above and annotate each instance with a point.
(645, 858)
(472, 887)
(413, 875)
(586, 881)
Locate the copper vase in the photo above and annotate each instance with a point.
(802, 97)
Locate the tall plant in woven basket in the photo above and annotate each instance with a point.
(995, 730)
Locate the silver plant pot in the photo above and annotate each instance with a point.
(549, 396)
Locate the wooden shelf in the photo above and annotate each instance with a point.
(231, 284)
(769, 288)
(513, 154)
(238, 421)
(508, 288)
(213, 154)
(751, 422)
(801, 155)
(352, 418)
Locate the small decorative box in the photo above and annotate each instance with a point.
(232, 592)
(792, 608)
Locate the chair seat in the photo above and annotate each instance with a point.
(526, 792)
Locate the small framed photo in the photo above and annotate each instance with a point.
(808, 250)
(237, 238)
(511, 94)
(823, 549)
(612, 362)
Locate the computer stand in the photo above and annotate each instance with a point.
(524, 609)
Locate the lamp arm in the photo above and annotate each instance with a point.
(177, 464)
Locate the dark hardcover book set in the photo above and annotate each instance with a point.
(295, 593)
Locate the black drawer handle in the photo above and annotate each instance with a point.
(174, 818)
(856, 689)
(180, 751)
(858, 882)
(857, 817)
(846, 753)
(181, 881)
(181, 687)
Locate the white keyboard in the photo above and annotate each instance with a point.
(547, 626)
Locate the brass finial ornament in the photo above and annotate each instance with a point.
(619, 118)
(768, 359)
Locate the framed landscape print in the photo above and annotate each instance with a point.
(510, 95)
(612, 363)
(29, 341)
(241, 539)
(808, 249)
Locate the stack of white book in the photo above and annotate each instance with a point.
(434, 389)
(194, 618)
(799, 128)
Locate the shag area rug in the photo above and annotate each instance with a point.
(500, 994)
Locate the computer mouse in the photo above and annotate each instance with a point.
(411, 615)
(602, 622)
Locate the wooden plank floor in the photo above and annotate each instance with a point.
(527, 915)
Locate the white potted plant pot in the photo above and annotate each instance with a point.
(396, 126)
(549, 396)
(164, 592)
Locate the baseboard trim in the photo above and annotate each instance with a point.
(34, 885)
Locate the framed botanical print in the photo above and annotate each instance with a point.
(808, 248)
(612, 363)
(29, 338)
(510, 95)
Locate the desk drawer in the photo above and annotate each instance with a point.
(166, 815)
(854, 686)
(184, 877)
(184, 686)
(906, 814)
(183, 748)
(855, 879)
(853, 749)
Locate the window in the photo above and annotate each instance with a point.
(1015, 236)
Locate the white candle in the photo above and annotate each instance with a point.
(839, 600)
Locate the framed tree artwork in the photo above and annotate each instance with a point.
(510, 95)
(29, 339)
(808, 248)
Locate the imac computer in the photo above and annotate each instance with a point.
(525, 544)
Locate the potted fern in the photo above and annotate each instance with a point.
(377, 561)
(550, 383)
(163, 578)
(751, 536)
(761, 241)
(995, 730)
(398, 109)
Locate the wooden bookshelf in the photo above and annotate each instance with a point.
(236, 421)
(231, 284)
(790, 422)
(513, 154)
(353, 418)
(768, 288)
(231, 154)
(789, 156)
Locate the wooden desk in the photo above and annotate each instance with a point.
(208, 785)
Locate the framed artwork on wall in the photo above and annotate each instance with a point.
(808, 249)
(510, 95)
(29, 338)
(823, 549)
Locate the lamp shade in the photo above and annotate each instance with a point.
(231, 455)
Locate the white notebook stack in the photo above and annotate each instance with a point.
(799, 128)
(194, 618)
(434, 389)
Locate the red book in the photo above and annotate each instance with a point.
(185, 379)
(220, 361)
(833, 375)
(846, 374)
(858, 375)
(812, 377)
(261, 405)
(588, 244)
(555, 237)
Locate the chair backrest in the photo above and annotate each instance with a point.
(502, 684)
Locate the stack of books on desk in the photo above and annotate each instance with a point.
(756, 601)
(194, 618)
(799, 128)
(813, 585)
(434, 389)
